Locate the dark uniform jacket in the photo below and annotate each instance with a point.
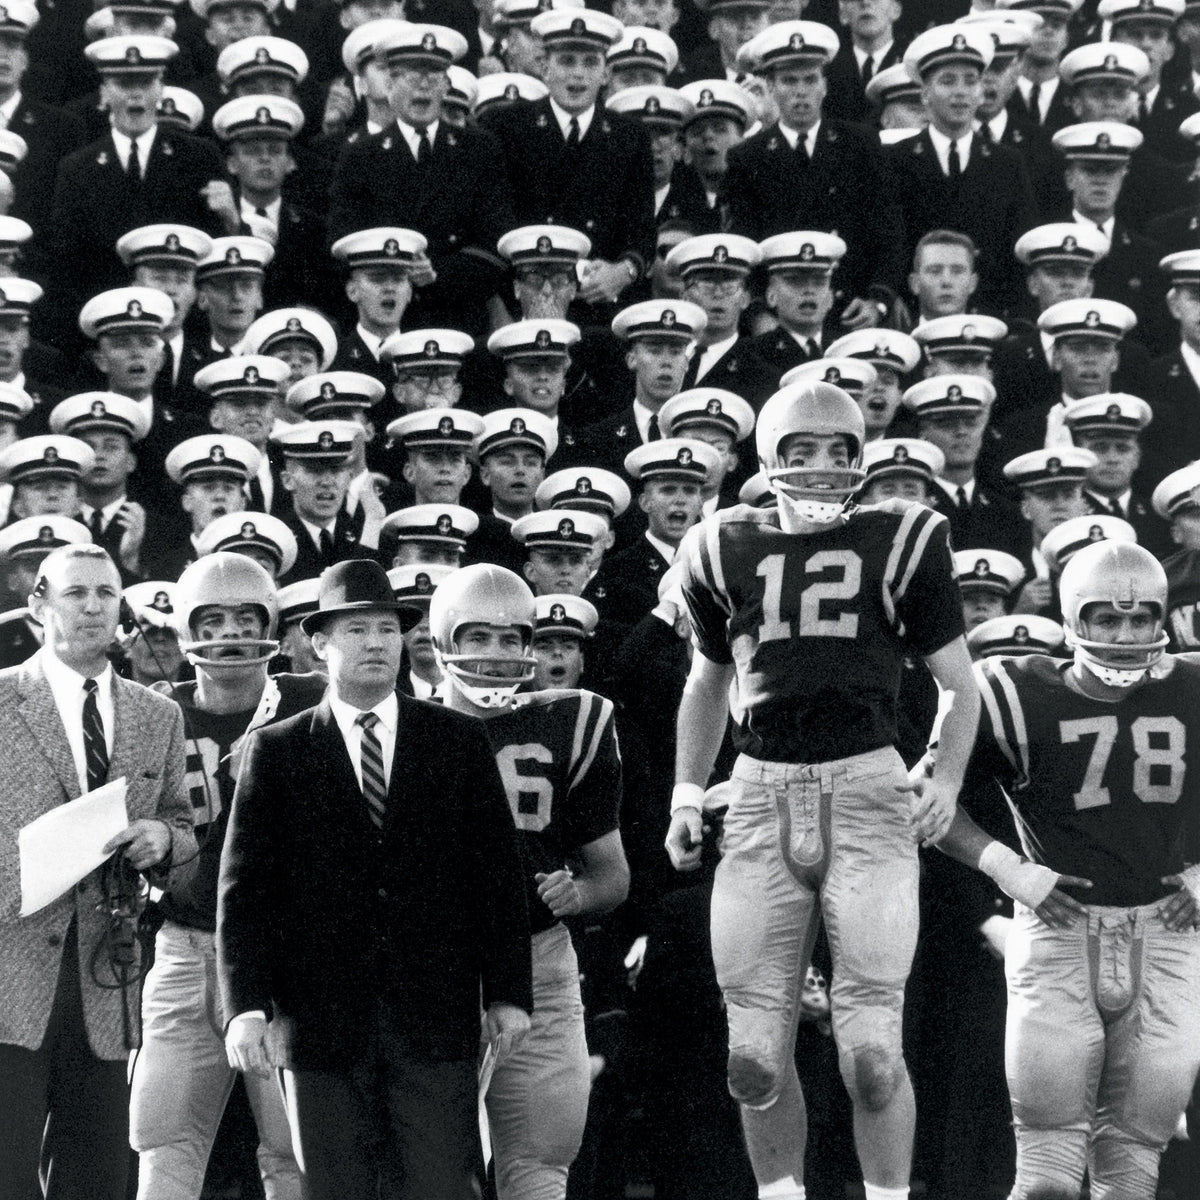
(309, 560)
(460, 201)
(1172, 439)
(846, 99)
(844, 188)
(51, 134)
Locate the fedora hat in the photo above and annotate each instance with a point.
(357, 585)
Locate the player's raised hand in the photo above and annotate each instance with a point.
(685, 839)
(1182, 910)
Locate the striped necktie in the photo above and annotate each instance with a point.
(95, 749)
(374, 786)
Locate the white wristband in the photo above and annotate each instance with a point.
(687, 795)
(1025, 881)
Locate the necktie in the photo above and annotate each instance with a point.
(960, 497)
(258, 502)
(96, 525)
(653, 433)
(868, 69)
(689, 376)
(573, 134)
(95, 750)
(985, 134)
(260, 212)
(134, 169)
(1035, 102)
(802, 149)
(374, 787)
(1143, 110)
(953, 162)
(1114, 507)
(424, 150)
(812, 349)
(326, 540)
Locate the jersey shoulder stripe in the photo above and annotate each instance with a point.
(593, 722)
(913, 532)
(1002, 706)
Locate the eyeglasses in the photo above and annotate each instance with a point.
(556, 280)
(713, 287)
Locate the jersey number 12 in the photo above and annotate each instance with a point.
(812, 623)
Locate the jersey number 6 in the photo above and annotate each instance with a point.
(812, 624)
(529, 796)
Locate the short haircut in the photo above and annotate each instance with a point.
(946, 237)
(64, 554)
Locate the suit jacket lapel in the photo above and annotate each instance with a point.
(41, 717)
(335, 771)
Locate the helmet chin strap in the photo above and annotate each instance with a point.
(796, 514)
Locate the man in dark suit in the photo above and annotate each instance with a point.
(70, 725)
(818, 173)
(420, 173)
(950, 177)
(394, 811)
(571, 162)
(871, 48)
(138, 174)
(1040, 96)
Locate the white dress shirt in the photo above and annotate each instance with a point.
(107, 512)
(660, 196)
(1191, 360)
(996, 126)
(66, 685)
(951, 489)
(369, 340)
(665, 549)
(641, 417)
(564, 119)
(145, 143)
(941, 147)
(792, 136)
(1045, 95)
(413, 135)
(346, 716)
(1106, 228)
(314, 531)
(9, 108)
(266, 228)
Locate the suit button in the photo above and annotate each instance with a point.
(55, 939)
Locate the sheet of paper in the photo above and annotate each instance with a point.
(486, 1067)
(65, 844)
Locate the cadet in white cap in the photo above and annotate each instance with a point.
(1016, 635)
(152, 647)
(301, 337)
(112, 425)
(1011, 34)
(640, 57)
(212, 470)
(17, 298)
(800, 269)
(987, 579)
(415, 584)
(165, 257)
(507, 88)
(852, 375)
(265, 539)
(229, 21)
(901, 467)
(436, 445)
(564, 624)
(590, 489)
(1065, 540)
(230, 284)
(425, 364)
(319, 462)
(23, 546)
(521, 49)
(1149, 25)
(536, 356)
(1097, 155)
(660, 337)
(243, 392)
(1059, 260)
(663, 112)
(1104, 79)
(461, 90)
(1177, 499)
(897, 99)
(672, 474)
(946, 46)
(721, 113)
(127, 327)
(180, 109)
(960, 345)
(788, 45)
(262, 66)
(721, 419)
(895, 356)
(235, 256)
(296, 601)
(511, 451)
(430, 533)
(45, 472)
(544, 261)
(335, 395)
(559, 545)
(15, 405)
(1051, 483)
(369, 79)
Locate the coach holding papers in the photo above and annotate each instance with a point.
(68, 724)
(371, 882)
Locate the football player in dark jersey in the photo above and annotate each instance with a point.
(810, 608)
(226, 612)
(558, 758)
(1096, 755)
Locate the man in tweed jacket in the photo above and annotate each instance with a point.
(63, 1036)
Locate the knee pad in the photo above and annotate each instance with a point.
(1050, 1163)
(751, 1081)
(872, 1073)
(1123, 1169)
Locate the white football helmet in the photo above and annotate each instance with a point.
(227, 580)
(1124, 575)
(483, 594)
(812, 495)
